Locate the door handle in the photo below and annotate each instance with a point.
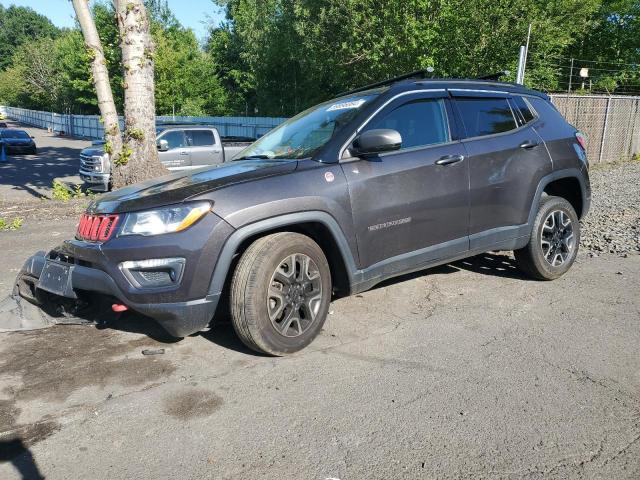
(528, 145)
(450, 159)
(184, 152)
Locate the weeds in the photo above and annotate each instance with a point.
(14, 224)
(64, 193)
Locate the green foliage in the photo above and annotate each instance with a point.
(289, 54)
(62, 192)
(14, 224)
(124, 156)
(277, 57)
(19, 25)
(135, 133)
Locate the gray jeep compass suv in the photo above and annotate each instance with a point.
(389, 179)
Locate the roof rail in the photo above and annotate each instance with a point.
(494, 76)
(415, 74)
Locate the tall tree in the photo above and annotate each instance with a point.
(19, 25)
(112, 133)
(139, 159)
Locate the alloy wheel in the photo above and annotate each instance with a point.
(294, 295)
(557, 238)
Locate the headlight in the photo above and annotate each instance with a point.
(164, 220)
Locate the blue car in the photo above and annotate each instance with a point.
(17, 141)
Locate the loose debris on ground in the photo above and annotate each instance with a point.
(613, 223)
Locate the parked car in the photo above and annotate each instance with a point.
(180, 147)
(4, 125)
(402, 176)
(17, 141)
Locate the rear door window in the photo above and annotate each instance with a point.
(201, 138)
(486, 116)
(420, 122)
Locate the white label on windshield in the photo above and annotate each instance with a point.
(346, 105)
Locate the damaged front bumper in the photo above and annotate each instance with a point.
(179, 319)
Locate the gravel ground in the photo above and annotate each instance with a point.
(613, 224)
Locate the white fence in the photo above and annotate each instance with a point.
(89, 126)
(611, 123)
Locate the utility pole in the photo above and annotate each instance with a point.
(522, 59)
(570, 76)
(521, 62)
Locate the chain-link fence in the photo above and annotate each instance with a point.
(611, 124)
(89, 126)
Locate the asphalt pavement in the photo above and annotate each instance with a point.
(466, 371)
(25, 177)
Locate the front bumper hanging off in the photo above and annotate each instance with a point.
(179, 319)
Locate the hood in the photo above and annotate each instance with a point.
(181, 186)
(96, 151)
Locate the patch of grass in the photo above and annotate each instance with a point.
(62, 192)
(14, 224)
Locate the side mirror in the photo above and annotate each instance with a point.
(376, 141)
(162, 145)
(32, 136)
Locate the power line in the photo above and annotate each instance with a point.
(589, 61)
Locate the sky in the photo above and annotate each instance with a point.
(191, 13)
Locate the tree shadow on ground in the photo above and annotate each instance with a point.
(29, 173)
(16, 452)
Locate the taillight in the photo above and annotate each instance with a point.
(96, 228)
(582, 140)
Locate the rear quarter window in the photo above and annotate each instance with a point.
(524, 109)
(486, 116)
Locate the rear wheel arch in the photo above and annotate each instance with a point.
(563, 183)
(568, 188)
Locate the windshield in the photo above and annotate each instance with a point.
(306, 133)
(14, 134)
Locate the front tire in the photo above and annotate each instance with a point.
(280, 293)
(554, 241)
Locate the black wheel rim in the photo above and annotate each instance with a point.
(557, 238)
(295, 295)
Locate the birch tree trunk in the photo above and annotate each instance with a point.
(139, 159)
(100, 75)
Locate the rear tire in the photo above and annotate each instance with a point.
(280, 293)
(554, 241)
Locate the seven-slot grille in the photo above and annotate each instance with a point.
(96, 228)
(90, 163)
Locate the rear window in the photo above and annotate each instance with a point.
(486, 116)
(201, 138)
(523, 108)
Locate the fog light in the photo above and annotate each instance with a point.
(153, 273)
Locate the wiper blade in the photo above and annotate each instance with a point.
(254, 157)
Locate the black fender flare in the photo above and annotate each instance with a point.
(221, 270)
(575, 173)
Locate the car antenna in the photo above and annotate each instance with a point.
(494, 76)
(415, 74)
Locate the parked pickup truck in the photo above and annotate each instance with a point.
(180, 147)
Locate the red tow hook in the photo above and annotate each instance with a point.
(118, 307)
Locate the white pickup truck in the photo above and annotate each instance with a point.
(180, 147)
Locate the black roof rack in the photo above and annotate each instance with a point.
(494, 76)
(416, 74)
